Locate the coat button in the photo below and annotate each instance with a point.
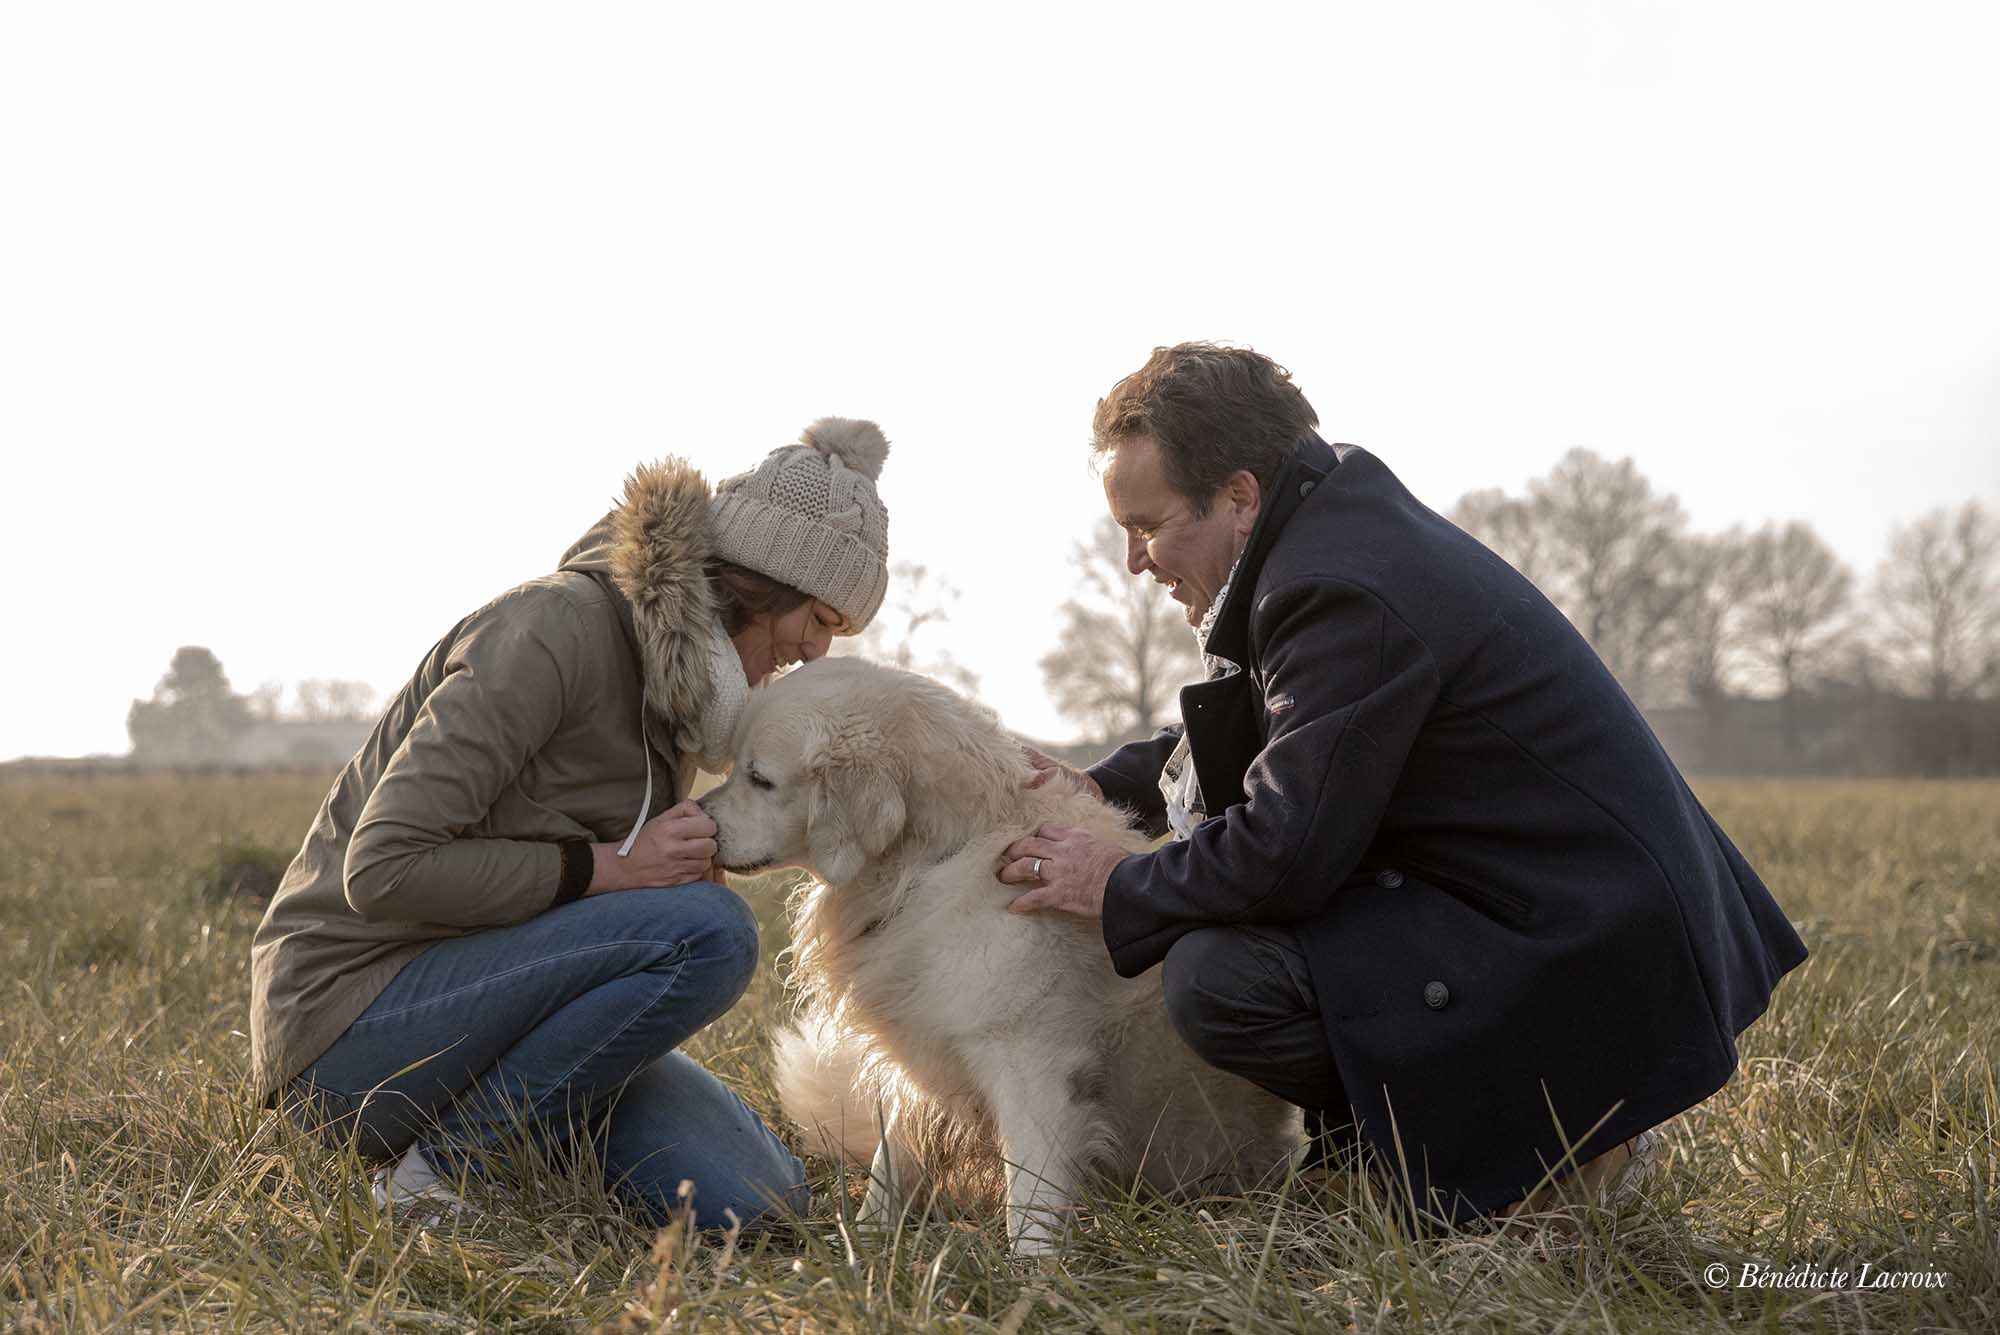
(1305, 489)
(1436, 995)
(1389, 878)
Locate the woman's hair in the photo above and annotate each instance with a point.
(745, 593)
(1212, 411)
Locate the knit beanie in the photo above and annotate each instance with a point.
(808, 516)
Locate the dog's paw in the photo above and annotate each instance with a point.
(1038, 1238)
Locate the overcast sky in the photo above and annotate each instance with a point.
(319, 326)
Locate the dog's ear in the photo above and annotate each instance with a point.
(857, 812)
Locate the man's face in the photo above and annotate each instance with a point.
(1190, 556)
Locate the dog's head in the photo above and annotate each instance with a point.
(816, 781)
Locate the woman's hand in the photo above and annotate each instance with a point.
(673, 848)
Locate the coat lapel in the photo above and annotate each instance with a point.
(1223, 716)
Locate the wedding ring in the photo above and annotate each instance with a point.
(1036, 870)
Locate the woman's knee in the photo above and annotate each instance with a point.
(756, 1201)
(717, 930)
(726, 1202)
(780, 1202)
(676, 1123)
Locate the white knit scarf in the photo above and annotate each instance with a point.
(728, 693)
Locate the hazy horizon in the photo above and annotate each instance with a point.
(322, 329)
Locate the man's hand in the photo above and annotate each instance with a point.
(1048, 767)
(673, 848)
(1074, 867)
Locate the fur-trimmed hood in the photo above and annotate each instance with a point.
(651, 550)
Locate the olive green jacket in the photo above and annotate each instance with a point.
(521, 727)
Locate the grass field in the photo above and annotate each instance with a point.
(140, 1190)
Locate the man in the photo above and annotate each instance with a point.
(1434, 879)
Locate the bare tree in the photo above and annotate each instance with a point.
(904, 632)
(1594, 537)
(1795, 594)
(1124, 651)
(1938, 595)
(266, 704)
(331, 700)
(1507, 526)
(1708, 632)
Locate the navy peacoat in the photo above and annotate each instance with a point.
(1525, 933)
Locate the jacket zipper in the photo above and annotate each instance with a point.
(1504, 905)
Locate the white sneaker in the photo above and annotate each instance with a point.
(414, 1182)
(1629, 1184)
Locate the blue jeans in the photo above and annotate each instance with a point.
(567, 1023)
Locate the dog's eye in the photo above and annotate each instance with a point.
(759, 781)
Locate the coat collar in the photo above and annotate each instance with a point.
(652, 550)
(1311, 460)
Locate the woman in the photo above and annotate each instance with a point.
(505, 913)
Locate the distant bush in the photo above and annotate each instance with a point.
(243, 871)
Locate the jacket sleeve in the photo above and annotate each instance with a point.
(1130, 777)
(506, 686)
(1347, 687)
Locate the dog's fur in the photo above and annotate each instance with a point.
(931, 1013)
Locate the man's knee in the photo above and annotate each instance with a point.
(1194, 977)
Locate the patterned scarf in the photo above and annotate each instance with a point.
(1177, 781)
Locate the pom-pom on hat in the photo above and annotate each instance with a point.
(808, 516)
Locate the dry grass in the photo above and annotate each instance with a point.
(139, 1190)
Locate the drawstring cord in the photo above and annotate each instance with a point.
(645, 803)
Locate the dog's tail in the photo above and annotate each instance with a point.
(828, 1085)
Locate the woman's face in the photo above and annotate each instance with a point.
(779, 639)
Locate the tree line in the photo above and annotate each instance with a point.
(1751, 650)
(195, 717)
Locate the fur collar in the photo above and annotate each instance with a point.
(653, 546)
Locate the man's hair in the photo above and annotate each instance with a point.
(745, 594)
(1213, 410)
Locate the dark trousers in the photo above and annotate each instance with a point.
(1242, 998)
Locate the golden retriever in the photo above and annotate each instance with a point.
(926, 1004)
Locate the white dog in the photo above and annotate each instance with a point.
(928, 1006)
